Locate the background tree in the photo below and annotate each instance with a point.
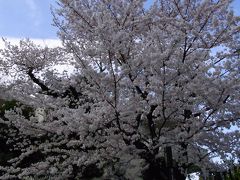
(148, 85)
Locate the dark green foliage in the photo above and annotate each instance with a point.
(32, 158)
(6, 105)
(229, 174)
(5, 148)
(27, 111)
(233, 174)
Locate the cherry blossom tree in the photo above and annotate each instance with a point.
(154, 92)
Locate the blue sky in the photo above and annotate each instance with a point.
(26, 18)
(33, 19)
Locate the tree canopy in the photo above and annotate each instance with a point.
(153, 91)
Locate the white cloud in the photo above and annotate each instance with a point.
(193, 176)
(42, 42)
